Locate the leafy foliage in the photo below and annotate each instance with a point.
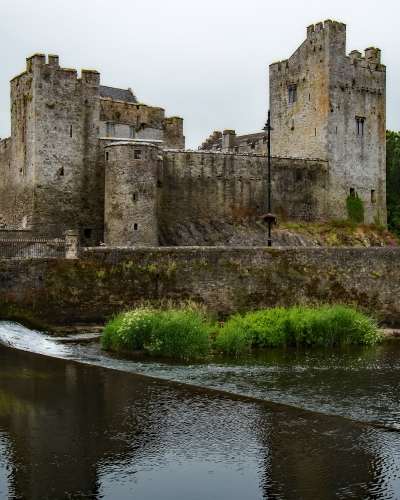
(128, 331)
(355, 209)
(322, 326)
(175, 333)
(187, 333)
(393, 180)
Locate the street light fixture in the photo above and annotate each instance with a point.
(269, 218)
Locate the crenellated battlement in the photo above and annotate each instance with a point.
(327, 25)
(373, 55)
(371, 59)
(42, 66)
(90, 77)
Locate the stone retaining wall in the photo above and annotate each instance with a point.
(104, 281)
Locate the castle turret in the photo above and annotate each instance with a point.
(130, 217)
(173, 133)
(228, 140)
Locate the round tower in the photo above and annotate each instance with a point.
(130, 217)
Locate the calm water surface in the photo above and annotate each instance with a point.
(71, 427)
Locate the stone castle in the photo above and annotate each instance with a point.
(92, 158)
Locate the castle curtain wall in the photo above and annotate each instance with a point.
(200, 190)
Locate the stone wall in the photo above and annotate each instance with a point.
(300, 126)
(202, 190)
(358, 153)
(6, 214)
(17, 159)
(66, 140)
(131, 120)
(227, 280)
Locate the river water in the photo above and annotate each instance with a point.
(77, 423)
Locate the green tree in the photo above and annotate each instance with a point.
(393, 179)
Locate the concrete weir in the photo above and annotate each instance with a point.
(103, 281)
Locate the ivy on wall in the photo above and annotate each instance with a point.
(355, 209)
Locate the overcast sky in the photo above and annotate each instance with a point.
(204, 60)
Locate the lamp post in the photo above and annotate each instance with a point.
(269, 218)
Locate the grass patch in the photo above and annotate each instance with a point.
(188, 332)
(326, 326)
(175, 333)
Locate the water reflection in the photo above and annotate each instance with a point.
(4, 462)
(77, 431)
(360, 383)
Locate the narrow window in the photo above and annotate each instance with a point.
(253, 145)
(110, 129)
(61, 171)
(131, 131)
(360, 125)
(137, 154)
(70, 130)
(336, 130)
(315, 132)
(373, 196)
(292, 91)
(352, 192)
(135, 227)
(134, 197)
(107, 155)
(309, 97)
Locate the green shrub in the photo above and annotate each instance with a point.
(185, 333)
(393, 180)
(176, 333)
(182, 334)
(235, 337)
(322, 326)
(128, 331)
(355, 209)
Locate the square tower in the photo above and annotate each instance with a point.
(332, 106)
(54, 141)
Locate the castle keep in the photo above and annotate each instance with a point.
(329, 105)
(52, 171)
(89, 157)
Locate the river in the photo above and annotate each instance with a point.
(301, 424)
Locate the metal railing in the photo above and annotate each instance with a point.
(31, 248)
